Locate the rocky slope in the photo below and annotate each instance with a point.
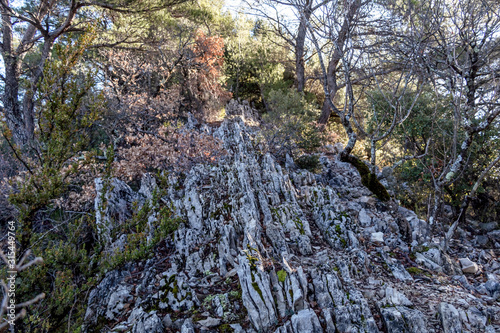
(271, 248)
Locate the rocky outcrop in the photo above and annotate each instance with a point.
(272, 248)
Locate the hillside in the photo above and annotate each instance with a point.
(249, 166)
(264, 247)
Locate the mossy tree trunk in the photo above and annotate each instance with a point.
(368, 178)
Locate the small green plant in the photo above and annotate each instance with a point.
(251, 259)
(226, 328)
(281, 275)
(414, 271)
(207, 302)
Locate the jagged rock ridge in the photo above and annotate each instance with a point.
(267, 248)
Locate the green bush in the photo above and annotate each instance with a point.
(290, 123)
(66, 274)
(432, 120)
(309, 162)
(74, 262)
(67, 109)
(255, 64)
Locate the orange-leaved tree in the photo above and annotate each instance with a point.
(204, 75)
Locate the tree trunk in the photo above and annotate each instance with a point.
(299, 49)
(11, 107)
(28, 102)
(465, 205)
(326, 111)
(331, 81)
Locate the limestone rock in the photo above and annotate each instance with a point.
(396, 267)
(112, 207)
(306, 321)
(468, 266)
(364, 219)
(187, 326)
(427, 263)
(107, 298)
(487, 227)
(210, 322)
(402, 319)
(394, 298)
(148, 186)
(175, 293)
(117, 301)
(145, 322)
(493, 286)
(419, 228)
(450, 318)
(260, 245)
(377, 237)
(430, 259)
(494, 235)
(256, 295)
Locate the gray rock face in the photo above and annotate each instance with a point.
(306, 321)
(493, 287)
(395, 298)
(347, 310)
(112, 207)
(210, 322)
(257, 296)
(396, 267)
(145, 322)
(494, 235)
(450, 318)
(175, 293)
(403, 319)
(419, 228)
(398, 315)
(117, 300)
(108, 299)
(364, 219)
(487, 227)
(187, 326)
(427, 262)
(264, 247)
(114, 204)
